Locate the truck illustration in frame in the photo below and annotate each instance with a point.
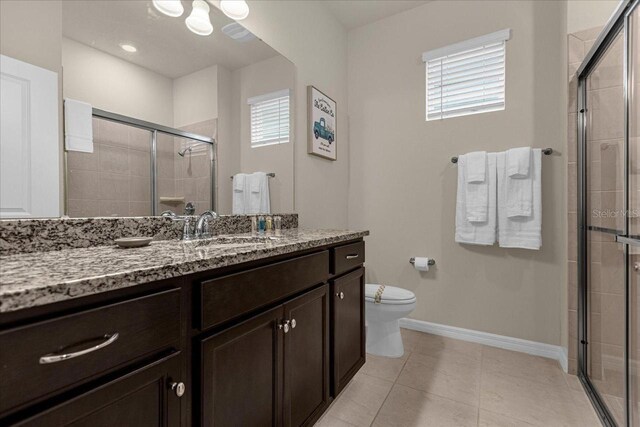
(320, 130)
(321, 124)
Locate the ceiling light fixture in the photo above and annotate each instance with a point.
(198, 21)
(171, 8)
(235, 9)
(128, 47)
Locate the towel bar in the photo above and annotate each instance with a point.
(545, 151)
(270, 175)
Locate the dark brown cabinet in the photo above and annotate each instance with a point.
(144, 397)
(268, 343)
(306, 358)
(347, 328)
(271, 369)
(241, 379)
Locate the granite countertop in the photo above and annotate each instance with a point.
(38, 278)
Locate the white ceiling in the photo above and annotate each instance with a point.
(165, 45)
(356, 13)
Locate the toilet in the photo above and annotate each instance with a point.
(384, 307)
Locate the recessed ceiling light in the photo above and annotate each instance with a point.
(198, 22)
(235, 9)
(171, 8)
(128, 48)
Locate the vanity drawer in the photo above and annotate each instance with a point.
(231, 296)
(347, 257)
(98, 341)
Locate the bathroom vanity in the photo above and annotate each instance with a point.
(233, 330)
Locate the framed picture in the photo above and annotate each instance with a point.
(321, 123)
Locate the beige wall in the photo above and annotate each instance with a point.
(115, 85)
(310, 37)
(263, 77)
(403, 185)
(227, 147)
(195, 97)
(586, 14)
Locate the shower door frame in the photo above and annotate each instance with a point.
(154, 129)
(618, 23)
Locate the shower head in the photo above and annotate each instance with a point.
(182, 152)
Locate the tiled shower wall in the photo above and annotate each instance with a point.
(187, 177)
(115, 180)
(578, 46)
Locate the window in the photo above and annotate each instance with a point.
(270, 118)
(467, 77)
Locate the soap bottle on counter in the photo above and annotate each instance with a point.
(277, 225)
(269, 225)
(254, 225)
(262, 224)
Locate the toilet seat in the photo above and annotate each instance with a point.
(390, 295)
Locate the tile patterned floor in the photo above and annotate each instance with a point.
(444, 382)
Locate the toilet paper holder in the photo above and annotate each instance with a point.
(412, 261)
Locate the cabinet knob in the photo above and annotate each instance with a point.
(340, 295)
(178, 388)
(293, 323)
(284, 326)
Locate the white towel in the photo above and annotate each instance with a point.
(520, 232)
(238, 181)
(257, 189)
(476, 185)
(78, 126)
(518, 162)
(239, 205)
(476, 233)
(476, 167)
(519, 182)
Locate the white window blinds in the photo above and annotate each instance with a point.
(466, 78)
(270, 118)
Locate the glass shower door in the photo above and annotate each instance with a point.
(633, 270)
(605, 258)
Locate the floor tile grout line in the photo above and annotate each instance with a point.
(392, 385)
(480, 382)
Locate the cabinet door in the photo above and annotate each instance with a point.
(142, 398)
(242, 373)
(347, 328)
(306, 357)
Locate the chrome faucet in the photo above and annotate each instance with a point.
(201, 232)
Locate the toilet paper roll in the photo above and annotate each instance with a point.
(421, 264)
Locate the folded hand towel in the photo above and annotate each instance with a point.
(520, 231)
(239, 198)
(476, 233)
(518, 161)
(519, 182)
(476, 166)
(78, 126)
(238, 181)
(476, 186)
(259, 193)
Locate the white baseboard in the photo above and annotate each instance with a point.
(554, 352)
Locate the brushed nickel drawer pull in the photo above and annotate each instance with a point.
(53, 358)
(340, 295)
(352, 256)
